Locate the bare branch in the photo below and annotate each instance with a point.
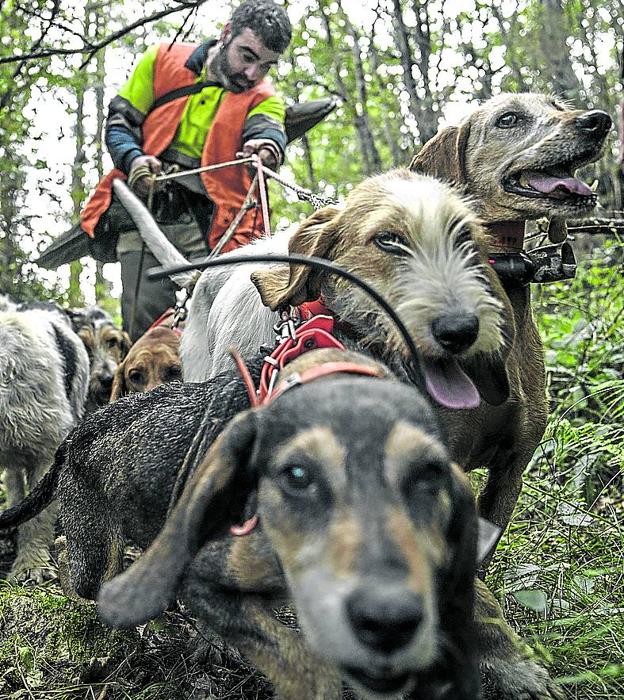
(91, 49)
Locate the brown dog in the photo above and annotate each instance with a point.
(153, 360)
(515, 156)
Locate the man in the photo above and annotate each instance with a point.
(232, 109)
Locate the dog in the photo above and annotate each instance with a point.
(370, 533)
(408, 236)
(106, 345)
(154, 359)
(515, 157)
(44, 372)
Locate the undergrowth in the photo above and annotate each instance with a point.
(559, 569)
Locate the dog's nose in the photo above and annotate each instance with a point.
(456, 332)
(596, 122)
(385, 618)
(106, 379)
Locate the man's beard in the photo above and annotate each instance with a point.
(234, 82)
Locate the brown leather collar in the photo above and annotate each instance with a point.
(507, 235)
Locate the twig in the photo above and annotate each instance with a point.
(93, 48)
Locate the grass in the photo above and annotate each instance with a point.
(558, 571)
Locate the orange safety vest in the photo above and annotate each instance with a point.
(226, 187)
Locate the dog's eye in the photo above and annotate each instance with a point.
(425, 479)
(507, 120)
(136, 376)
(111, 343)
(391, 242)
(174, 373)
(296, 479)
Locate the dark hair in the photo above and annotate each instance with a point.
(266, 19)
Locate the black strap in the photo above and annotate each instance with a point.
(181, 92)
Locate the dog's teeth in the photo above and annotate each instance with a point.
(524, 180)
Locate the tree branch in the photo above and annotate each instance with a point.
(91, 49)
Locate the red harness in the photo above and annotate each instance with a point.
(164, 319)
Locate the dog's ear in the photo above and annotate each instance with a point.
(125, 344)
(294, 284)
(489, 374)
(462, 531)
(120, 387)
(210, 503)
(444, 156)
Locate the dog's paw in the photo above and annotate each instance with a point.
(520, 679)
(37, 571)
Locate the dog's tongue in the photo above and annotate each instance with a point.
(547, 184)
(449, 385)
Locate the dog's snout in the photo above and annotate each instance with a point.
(385, 619)
(105, 379)
(596, 122)
(456, 332)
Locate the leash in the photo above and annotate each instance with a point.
(259, 181)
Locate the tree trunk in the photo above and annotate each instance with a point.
(555, 51)
(391, 137)
(362, 117)
(343, 90)
(102, 285)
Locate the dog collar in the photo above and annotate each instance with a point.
(551, 263)
(507, 235)
(313, 334)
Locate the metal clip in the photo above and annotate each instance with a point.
(286, 327)
(541, 265)
(179, 310)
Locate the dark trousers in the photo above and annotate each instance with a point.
(144, 300)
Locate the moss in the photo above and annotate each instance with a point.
(50, 643)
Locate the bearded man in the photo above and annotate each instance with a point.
(187, 105)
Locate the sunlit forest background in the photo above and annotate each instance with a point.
(399, 69)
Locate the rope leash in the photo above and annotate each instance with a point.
(305, 195)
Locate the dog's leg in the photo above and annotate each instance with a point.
(274, 649)
(94, 543)
(35, 536)
(502, 489)
(14, 486)
(510, 673)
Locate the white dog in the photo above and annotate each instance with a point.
(44, 375)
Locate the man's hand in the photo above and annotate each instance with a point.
(138, 178)
(266, 149)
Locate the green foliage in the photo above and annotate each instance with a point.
(558, 569)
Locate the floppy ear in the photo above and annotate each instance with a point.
(444, 156)
(126, 344)
(462, 531)
(210, 503)
(489, 374)
(119, 383)
(294, 284)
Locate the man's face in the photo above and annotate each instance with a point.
(243, 61)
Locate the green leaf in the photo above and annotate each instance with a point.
(534, 599)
